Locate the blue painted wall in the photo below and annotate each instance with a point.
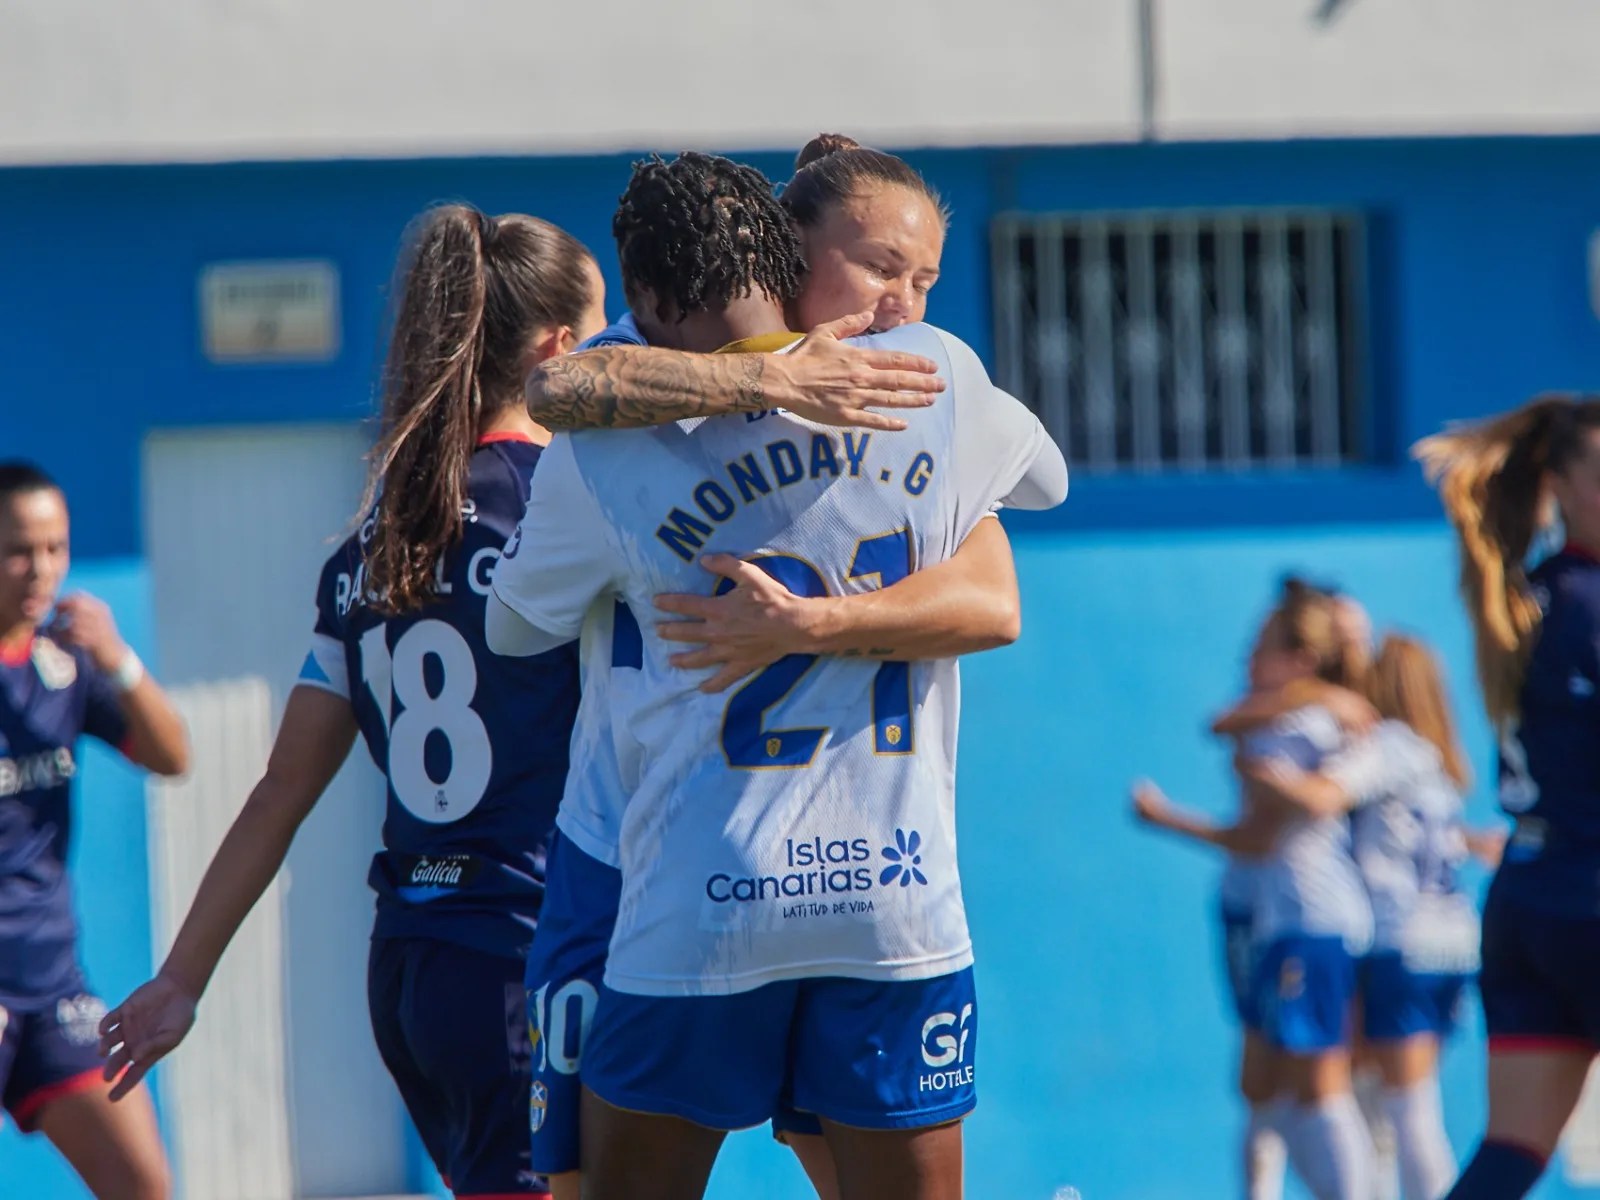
(1106, 1057)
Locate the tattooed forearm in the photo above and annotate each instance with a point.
(629, 387)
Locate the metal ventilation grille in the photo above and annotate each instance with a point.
(1185, 341)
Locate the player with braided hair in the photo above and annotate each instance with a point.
(781, 941)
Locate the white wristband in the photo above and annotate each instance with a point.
(127, 676)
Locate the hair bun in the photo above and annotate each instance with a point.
(823, 145)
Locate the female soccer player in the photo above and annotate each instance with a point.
(1404, 785)
(1537, 634)
(474, 747)
(766, 1001)
(64, 672)
(963, 606)
(1312, 917)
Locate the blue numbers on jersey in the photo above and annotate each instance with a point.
(746, 740)
(411, 714)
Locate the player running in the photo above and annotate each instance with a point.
(1537, 635)
(722, 963)
(64, 672)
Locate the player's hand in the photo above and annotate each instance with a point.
(1150, 803)
(85, 621)
(826, 381)
(142, 1030)
(741, 631)
(1488, 846)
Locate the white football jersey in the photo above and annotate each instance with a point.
(1308, 884)
(803, 823)
(1409, 844)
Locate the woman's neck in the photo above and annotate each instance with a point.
(513, 418)
(14, 637)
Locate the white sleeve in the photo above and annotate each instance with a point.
(1361, 772)
(561, 556)
(324, 666)
(1002, 453)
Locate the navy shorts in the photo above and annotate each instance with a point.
(565, 966)
(1239, 963)
(49, 1051)
(1540, 979)
(1304, 988)
(449, 1025)
(869, 1054)
(1397, 1002)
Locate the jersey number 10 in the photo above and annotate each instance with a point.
(747, 740)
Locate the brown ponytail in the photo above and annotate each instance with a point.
(473, 290)
(1308, 621)
(1407, 684)
(1490, 476)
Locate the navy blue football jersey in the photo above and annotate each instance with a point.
(48, 699)
(1550, 762)
(474, 746)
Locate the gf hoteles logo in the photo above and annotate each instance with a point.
(944, 1048)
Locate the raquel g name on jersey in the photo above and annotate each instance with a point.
(473, 745)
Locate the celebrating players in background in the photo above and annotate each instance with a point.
(1537, 638)
(1404, 784)
(474, 747)
(696, 1022)
(1310, 918)
(64, 672)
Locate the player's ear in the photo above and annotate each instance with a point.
(549, 342)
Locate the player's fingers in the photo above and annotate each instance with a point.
(844, 327)
(696, 660)
(725, 678)
(862, 418)
(729, 566)
(685, 631)
(131, 1078)
(909, 372)
(887, 393)
(116, 1062)
(686, 604)
(900, 360)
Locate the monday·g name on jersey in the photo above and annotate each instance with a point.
(753, 475)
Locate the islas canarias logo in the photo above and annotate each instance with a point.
(821, 870)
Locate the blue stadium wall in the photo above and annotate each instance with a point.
(1106, 1056)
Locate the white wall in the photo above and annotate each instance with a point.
(138, 80)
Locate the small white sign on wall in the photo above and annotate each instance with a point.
(272, 310)
(1594, 272)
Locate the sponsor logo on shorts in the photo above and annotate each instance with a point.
(79, 1018)
(944, 1048)
(538, 1106)
(825, 876)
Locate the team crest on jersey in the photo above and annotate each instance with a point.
(538, 1106)
(79, 1018)
(56, 667)
(1291, 979)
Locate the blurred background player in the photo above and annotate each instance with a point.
(474, 747)
(1311, 916)
(64, 672)
(710, 293)
(1404, 788)
(963, 606)
(1537, 638)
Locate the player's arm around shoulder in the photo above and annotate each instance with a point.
(824, 379)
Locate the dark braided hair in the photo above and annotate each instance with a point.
(701, 232)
